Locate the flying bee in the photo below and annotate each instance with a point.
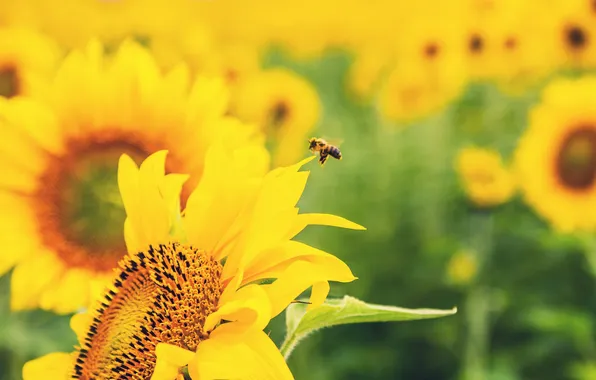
(324, 148)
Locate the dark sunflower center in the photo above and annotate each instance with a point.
(576, 37)
(576, 161)
(79, 207)
(431, 50)
(280, 113)
(510, 43)
(162, 295)
(9, 81)
(476, 44)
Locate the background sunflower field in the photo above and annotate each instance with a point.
(468, 133)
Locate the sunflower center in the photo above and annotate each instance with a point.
(9, 81)
(280, 113)
(576, 37)
(576, 161)
(431, 50)
(162, 295)
(79, 208)
(510, 43)
(476, 44)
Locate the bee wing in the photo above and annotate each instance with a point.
(333, 141)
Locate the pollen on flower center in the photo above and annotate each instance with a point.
(78, 206)
(9, 81)
(576, 159)
(161, 295)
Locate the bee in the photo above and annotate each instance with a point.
(324, 148)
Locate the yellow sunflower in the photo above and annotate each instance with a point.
(556, 156)
(568, 30)
(194, 300)
(285, 105)
(430, 70)
(501, 45)
(59, 158)
(25, 57)
(485, 179)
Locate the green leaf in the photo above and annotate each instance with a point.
(334, 312)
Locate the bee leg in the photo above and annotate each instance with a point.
(323, 159)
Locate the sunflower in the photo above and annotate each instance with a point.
(484, 177)
(59, 159)
(502, 46)
(569, 26)
(194, 300)
(25, 56)
(556, 156)
(285, 105)
(430, 71)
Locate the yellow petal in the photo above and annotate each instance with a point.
(80, 323)
(304, 220)
(169, 361)
(225, 355)
(55, 366)
(271, 263)
(128, 183)
(155, 212)
(224, 182)
(318, 294)
(68, 293)
(31, 278)
(272, 217)
(19, 238)
(248, 308)
(298, 277)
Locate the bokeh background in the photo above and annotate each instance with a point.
(409, 88)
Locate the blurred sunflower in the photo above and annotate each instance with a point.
(25, 56)
(570, 26)
(430, 71)
(285, 105)
(462, 267)
(502, 46)
(62, 213)
(174, 302)
(367, 71)
(110, 21)
(484, 177)
(556, 156)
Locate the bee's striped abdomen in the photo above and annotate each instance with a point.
(334, 152)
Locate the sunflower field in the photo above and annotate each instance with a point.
(318, 190)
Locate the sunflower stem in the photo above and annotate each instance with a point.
(478, 299)
(290, 342)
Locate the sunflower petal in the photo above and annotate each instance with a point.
(298, 277)
(303, 220)
(254, 355)
(31, 277)
(169, 361)
(271, 263)
(248, 308)
(56, 366)
(128, 183)
(155, 213)
(79, 323)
